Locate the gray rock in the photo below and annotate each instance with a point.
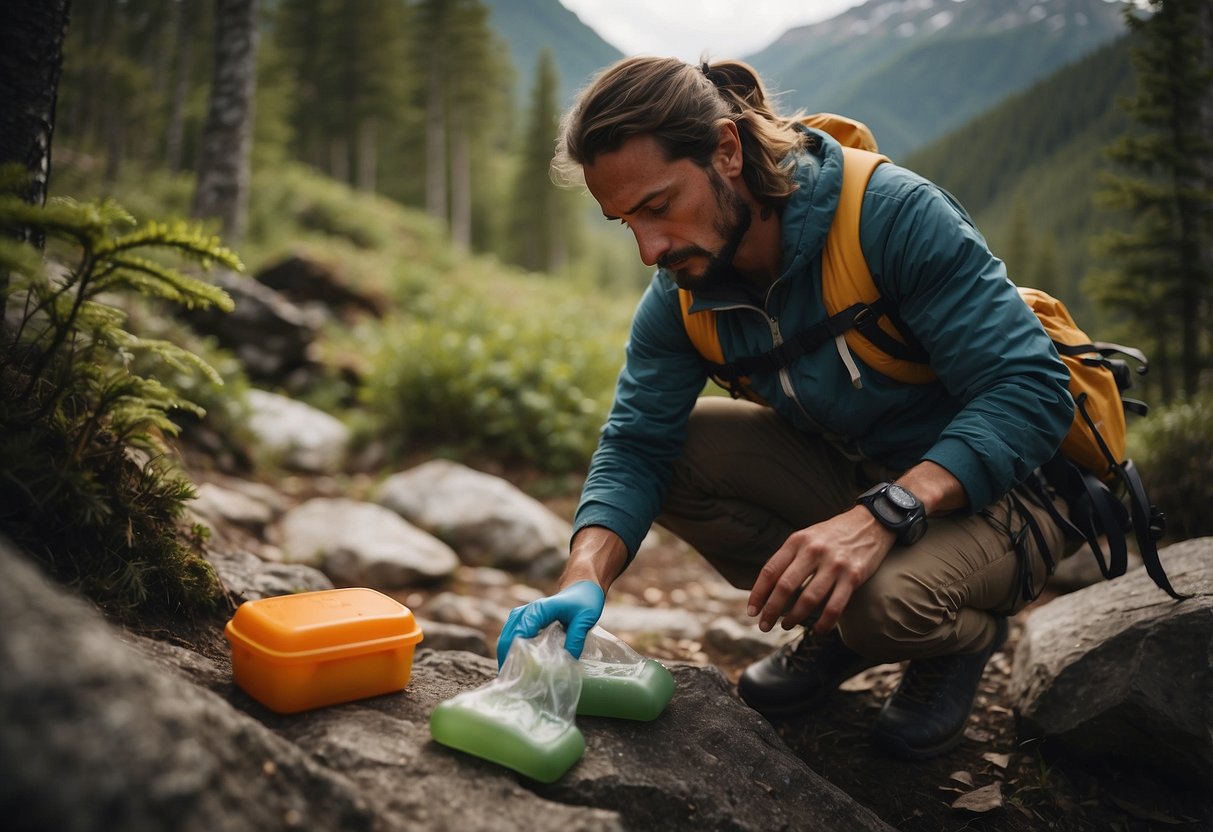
(715, 763)
(667, 621)
(466, 610)
(94, 736)
(1120, 669)
(104, 730)
(248, 577)
(216, 504)
(269, 334)
(746, 642)
(310, 283)
(363, 544)
(485, 519)
(442, 636)
(708, 762)
(296, 434)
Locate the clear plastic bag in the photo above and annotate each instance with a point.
(619, 682)
(523, 719)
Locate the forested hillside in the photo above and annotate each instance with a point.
(530, 26)
(912, 71)
(1029, 170)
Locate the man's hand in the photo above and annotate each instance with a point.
(578, 607)
(834, 557)
(838, 555)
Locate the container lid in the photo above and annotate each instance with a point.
(324, 621)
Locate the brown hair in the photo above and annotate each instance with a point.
(682, 107)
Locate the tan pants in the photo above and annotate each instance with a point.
(747, 479)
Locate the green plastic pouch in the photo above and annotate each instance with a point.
(523, 719)
(618, 682)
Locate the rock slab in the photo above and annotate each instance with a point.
(102, 729)
(1121, 669)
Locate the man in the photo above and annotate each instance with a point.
(876, 513)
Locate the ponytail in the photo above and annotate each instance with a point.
(681, 106)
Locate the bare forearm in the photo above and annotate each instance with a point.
(598, 555)
(934, 485)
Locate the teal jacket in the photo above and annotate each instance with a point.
(999, 408)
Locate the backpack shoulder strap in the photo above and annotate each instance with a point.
(857, 312)
(846, 279)
(701, 327)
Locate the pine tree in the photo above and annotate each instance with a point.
(461, 65)
(348, 62)
(541, 212)
(1163, 276)
(1048, 274)
(1018, 255)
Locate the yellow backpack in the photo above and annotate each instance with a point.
(1092, 455)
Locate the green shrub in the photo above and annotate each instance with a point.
(1173, 447)
(521, 385)
(85, 483)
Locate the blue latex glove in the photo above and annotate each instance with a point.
(578, 607)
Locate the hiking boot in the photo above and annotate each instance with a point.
(927, 713)
(800, 674)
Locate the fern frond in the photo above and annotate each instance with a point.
(23, 259)
(185, 239)
(157, 280)
(93, 315)
(178, 358)
(64, 217)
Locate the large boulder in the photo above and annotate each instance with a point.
(297, 435)
(1121, 669)
(101, 729)
(270, 335)
(317, 286)
(94, 736)
(485, 519)
(363, 544)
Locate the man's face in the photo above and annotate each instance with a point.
(685, 218)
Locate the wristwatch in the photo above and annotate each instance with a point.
(898, 510)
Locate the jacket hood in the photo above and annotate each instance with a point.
(810, 210)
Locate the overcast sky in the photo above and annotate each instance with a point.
(685, 28)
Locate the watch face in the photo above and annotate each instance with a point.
(901, 498)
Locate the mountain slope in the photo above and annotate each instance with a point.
(914, 70)
(1028, 170)
(528, 26)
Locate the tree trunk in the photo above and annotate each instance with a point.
(174, 135)
(368, 156)
(435, 148)
(224, 157)
(339, 159)
(461, 181)
(31, 58)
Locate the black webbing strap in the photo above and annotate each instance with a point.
(1107, 515)
(1149, 524)
(862, 317)
(1019, 540)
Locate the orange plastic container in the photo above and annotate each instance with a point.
(297, 652)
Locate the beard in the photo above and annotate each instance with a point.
(732, 223)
